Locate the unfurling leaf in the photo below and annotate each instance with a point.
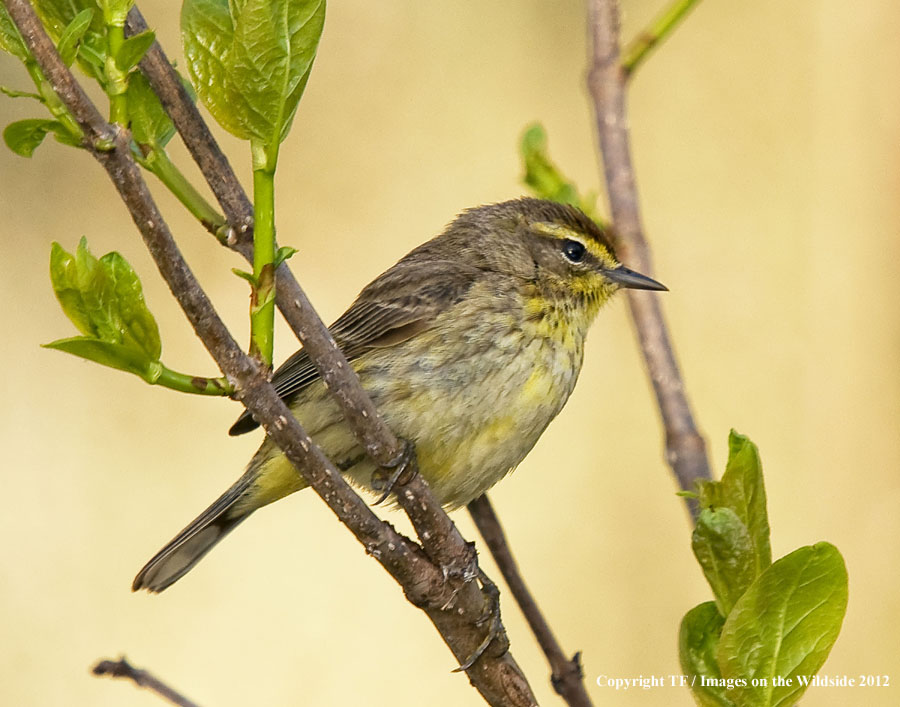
(104, 300)
(743, 490)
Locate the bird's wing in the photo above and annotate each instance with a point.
(395, 307)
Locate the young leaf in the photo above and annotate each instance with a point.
(58, 15)
(150, 124)
(24, 136)
(283, 253)
(107, 353)
(133, 49)
(785, 625)
(743, 490)
(13, 93)
(71, 37)
(250, 60)
(724, 550)
(65, 275)
(137, 326)
(10, 39)
(103, 299)
(244, 275)
(698, 640)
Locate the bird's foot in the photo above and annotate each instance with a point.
(491, 614)
(397, 466)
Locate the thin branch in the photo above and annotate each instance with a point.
(121, 668)
(655, 33)
(567, 676)
(685, 448)
(453, 602)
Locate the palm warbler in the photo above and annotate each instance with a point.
(469, 347)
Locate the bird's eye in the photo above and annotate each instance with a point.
(573, 250)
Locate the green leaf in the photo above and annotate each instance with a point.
(785, 625)
(108, 353)
(698, 640)
(71, 37)
(65, 276)
(282, 254)
(136, 325)
(724, 550)
(104, 300)
(150, 124)
(13, 93)
(10, 39)
(244, 275)
(133, 49)
(250, 60)
(24, 136)
(744, 491)
(58, 15)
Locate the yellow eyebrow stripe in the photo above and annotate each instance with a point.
(555, 230)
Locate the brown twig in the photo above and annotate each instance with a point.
(566, 674)
(121, 668)
(453, 602)
(685, 448)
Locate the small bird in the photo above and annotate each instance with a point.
(469, 346)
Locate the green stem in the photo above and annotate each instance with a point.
(262, 304)
(118, 79)
(658, 30)
(51, 100)
(191, 384)
(158, 162)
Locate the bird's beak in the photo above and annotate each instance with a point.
(624, 277)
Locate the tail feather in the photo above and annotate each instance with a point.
(187, 548)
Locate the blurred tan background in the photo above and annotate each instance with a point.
(767, 138)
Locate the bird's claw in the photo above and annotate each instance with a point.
(491, 613)
(398, 465)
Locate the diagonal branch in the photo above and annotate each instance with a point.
(453, 602)
(433, 527)
(685, 447)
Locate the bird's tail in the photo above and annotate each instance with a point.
(190, 545)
